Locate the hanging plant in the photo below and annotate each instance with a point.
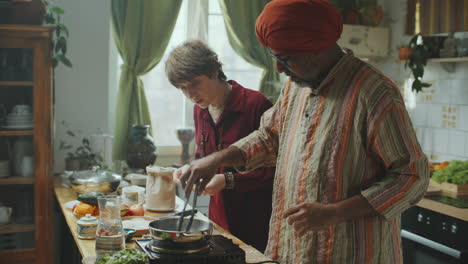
(59, 43)
(417, 61)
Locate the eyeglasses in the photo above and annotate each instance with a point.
(283, 61)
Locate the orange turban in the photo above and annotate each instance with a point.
(296, 27)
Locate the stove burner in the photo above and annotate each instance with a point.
(183, 250)
(220, 250)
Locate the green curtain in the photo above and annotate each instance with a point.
(142, 29)
(239, 19)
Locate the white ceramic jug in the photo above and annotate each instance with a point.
(5, 214)
(23, 146)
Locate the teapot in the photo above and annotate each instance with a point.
(5, 214)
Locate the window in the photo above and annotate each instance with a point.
(234, 66)
(168, 106)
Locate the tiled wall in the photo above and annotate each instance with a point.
(439, 113)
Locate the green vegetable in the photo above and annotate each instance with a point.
(125, 256)
(89, 198)
(166, 235)
(456, 172)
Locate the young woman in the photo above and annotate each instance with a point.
(224, 112)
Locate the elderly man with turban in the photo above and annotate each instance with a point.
(347, 159)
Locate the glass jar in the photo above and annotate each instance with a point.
(160, 189)
(109, 234)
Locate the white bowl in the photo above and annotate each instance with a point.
(136, 179)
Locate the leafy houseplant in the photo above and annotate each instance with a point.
(82, 157)
(417, 60)
(52, 17)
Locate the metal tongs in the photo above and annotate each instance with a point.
(194, 207)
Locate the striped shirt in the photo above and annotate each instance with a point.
(351, 136)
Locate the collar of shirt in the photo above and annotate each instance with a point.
(233, 104)
(334, 72)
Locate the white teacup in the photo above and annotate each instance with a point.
(21, 110)
(27, 166)
(5, 214)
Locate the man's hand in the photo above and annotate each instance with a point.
(315, 216)
(202, 170)
(307, 217)
(217, 184)
(198, 171)
(177, 174)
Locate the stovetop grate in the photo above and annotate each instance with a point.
(222, 250)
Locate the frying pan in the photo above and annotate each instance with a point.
(164, 232)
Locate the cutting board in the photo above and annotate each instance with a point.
(433, 189)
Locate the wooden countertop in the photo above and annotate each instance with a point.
(445, 209)
(86, 247)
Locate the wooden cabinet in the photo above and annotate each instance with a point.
(26, 79)
(365, 42)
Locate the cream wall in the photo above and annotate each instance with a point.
(85, 93)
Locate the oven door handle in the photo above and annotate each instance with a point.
(429, 243)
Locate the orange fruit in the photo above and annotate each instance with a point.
(84, 208)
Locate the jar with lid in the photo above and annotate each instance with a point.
(86, 227)
(160, 189)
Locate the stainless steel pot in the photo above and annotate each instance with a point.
(95, 180)
(166, 238)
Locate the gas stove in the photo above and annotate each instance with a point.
(220, 250)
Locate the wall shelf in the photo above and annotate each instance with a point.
(16, 228)
(16, 180)
(449, 63)
(455, 59)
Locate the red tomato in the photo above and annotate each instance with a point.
(136, 210)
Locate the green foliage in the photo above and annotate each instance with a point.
(417, 61)
(125, 256)
(82, 152)
(53, 17)
(456, 172)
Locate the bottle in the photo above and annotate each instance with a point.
(86, 227)
(109, 233)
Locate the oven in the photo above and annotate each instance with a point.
(429, 237)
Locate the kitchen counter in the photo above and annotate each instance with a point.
(86, 247)
(445, 209)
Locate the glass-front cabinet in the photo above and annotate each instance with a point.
(26, 125)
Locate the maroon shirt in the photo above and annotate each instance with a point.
(245, 211)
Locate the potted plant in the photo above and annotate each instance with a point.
(82, 157)
(53, 17)
(370, 13)
(417, 61)
(404, 52)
